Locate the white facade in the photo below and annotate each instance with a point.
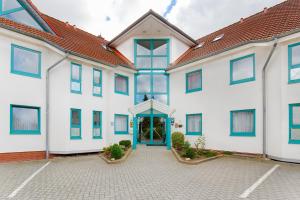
(215, 101)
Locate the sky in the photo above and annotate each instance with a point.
(109, 17)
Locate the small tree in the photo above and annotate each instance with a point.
(200, 143)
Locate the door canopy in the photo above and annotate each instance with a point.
(152, 104)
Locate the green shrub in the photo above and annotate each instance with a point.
(116, 152)
(186, 145)
(178, 140)
(126, 143)
(208, 154)
(190, 153)
(227, 153)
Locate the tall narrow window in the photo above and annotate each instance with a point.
(97, 82)
(25, 120)
(121, 124)
(242, 69)
(75, 132)
(76, 73)
(121, 84)
(194, 124)
(242, 123)
(294, 123)
(294, 63)
(26, 62)
(194, 81)
(97, 125)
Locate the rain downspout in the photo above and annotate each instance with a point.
(265, 98)
(47, 100)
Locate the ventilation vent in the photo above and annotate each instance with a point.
(219, 37)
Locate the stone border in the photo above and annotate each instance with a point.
(128, 152)
(192, 162)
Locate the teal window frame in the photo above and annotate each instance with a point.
(291, 123)
(127, 84)
(74, 125)
(29, 74)
(151, 93)
(74, 80)
(151, 54)
(100, 126)
(187, 127)
(187, 90)
(121, 132)
(97, 84)
(290, 65)
(245, 80)
(25, 132)
(243, 134)
(2, 12)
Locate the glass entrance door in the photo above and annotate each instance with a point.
(152, 129)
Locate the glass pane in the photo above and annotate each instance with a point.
(295, 134)
(26, 61)
(75, 72)
(295, 74)
(194, 123)
(75, 132)
(160, 47)
(161, 98)
(25, 119)
(143, 47)
(143, 62)
(121, 84)
(121, 124)
(296, 115)
(97, 77)
(24, 18)
(160, 83)
(75, 117)
(142, 98)
(144, 131)
(160, 62)
(97, 119)
(97, 90)
(243, 122)
(97, 132)
(242, 69)
(75, 86)
(10, 5)
(159, 130)
(296, 55)
(194, 80)
(143, 83)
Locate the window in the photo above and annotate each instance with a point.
(150, 85)
(97, 82)
(194, 124)
(152, 53)
(25, 120)
(97, 125)
(76, 73)
(12, 9)
(25, 61)
(75, 132)
(194, 81)
(219, 37)
(121, 84)
(242, 69)
(242, 123)
(294, 63)
(121, 124)
(294, 123)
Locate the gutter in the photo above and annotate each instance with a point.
(265, 97)
(48, 99)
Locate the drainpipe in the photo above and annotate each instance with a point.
(265, 98)
(47, 101)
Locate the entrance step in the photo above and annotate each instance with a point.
(157, 145)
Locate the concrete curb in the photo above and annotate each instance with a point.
(192, 162)
(124, 158)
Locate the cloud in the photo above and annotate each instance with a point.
(170, 7)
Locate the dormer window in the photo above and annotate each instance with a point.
(199, 45)
(13, 10)
(219, 37)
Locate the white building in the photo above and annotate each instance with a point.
(65, 91)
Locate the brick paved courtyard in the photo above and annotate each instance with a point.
(149, 173)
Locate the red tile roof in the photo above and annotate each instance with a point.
(274, 22)
(71, 39)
